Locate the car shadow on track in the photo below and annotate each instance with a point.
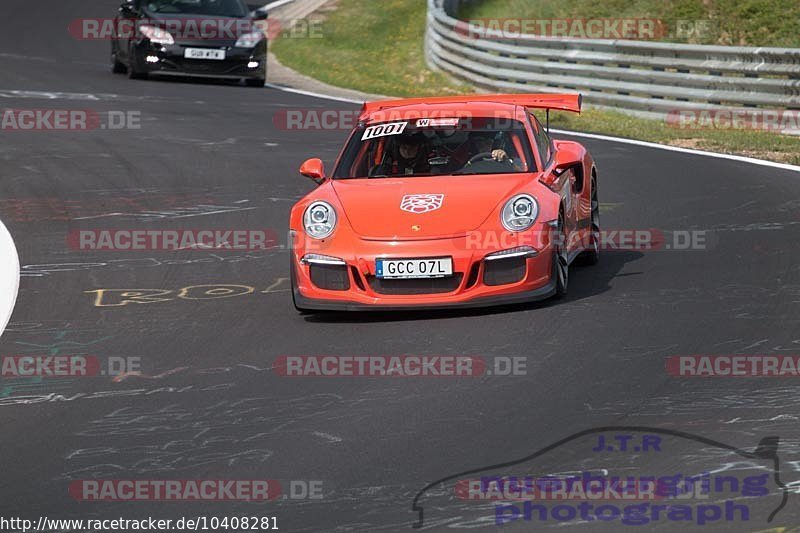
(584, 282)
(195, 80)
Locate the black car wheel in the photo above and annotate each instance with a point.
(116, 66)
(133, 73)
(592, 255)
(560, 263)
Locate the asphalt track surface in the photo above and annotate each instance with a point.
(208, 406)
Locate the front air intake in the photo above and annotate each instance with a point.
(330, 277)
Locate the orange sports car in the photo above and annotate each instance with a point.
(446, 202)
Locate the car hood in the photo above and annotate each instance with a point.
(432, 207)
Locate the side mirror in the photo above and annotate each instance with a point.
(260, 14)
(567, 155)
(128, 6)
(314, 169)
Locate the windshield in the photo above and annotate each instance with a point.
(218, 8)
(437, 146)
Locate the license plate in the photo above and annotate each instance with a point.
(203, 53)
(414, 268)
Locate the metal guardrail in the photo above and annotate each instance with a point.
(649, 78)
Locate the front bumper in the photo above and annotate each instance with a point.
(476, 282)
(171, 61)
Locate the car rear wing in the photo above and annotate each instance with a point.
(559, 102)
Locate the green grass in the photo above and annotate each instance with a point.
(376, 47)
(730, 22)
(760, 144)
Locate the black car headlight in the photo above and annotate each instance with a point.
(250, 39)
(156, 35)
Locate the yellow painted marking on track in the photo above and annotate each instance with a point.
(608, 207)
(217, 291)
(278, 282)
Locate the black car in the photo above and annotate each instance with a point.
(197, 38)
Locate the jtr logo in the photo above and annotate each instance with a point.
(120, 297)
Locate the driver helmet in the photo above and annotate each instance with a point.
(483, 138)
(409, 145)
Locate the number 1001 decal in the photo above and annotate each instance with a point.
(382, 130)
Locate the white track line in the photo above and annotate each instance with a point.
(739, 158)
(313, 94)
(9, 276)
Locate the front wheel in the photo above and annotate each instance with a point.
(592, 255)
(560, 263)
(133, 73)
(117, 67)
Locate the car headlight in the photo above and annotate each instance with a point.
(520, 213)
(319, 220)
(156, 34)
(250, 40)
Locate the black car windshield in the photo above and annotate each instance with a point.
(437, 146)
(217, 8)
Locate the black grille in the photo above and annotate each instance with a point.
(357, 278)
(330, 277)
(200, 66)
(473, 275)
(415, 286)
(504, 271)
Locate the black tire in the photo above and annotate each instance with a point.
(132, 72)
(255, 82)
(592, 256)
(116, 66)
(560, 263)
